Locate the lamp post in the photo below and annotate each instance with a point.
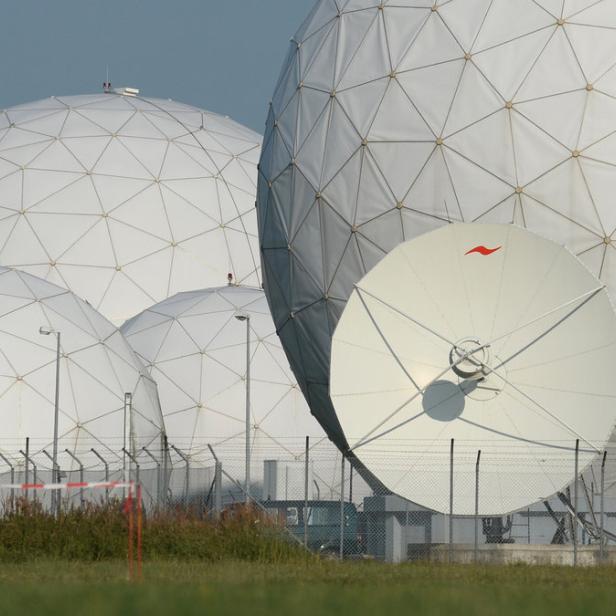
(245, 317)
(48, 331)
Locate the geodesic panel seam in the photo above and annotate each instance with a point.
(127, 200)
(195, 349)
(391, 119)
(97, 369)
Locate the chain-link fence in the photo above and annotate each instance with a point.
(500, 505)
(469, 505)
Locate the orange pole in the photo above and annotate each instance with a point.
(139, 534)
(129, 505)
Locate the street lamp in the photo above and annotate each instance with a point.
(48, 331)
(243, 316)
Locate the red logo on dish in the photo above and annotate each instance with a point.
(482, 250)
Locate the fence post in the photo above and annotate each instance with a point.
(306, 473)
(217, 483)
(477, 507)
(218, 489)
(27, 469)
(81, 477)
(137, 467)
(55, 473)
(106, 467)
(602, 536)
(127, 433)
(575, 503)
(29, 460)
(12, 469)
(350, 481)
(342, 508)
(187, 480)
(153, 457)
(26, 455)
(165, 470)
(35, 479)
(451, 501)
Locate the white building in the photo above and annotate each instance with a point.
(195, 348)
(127, 200)
(392, 119)
(97, 369)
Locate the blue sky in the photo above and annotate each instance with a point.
(222, 55)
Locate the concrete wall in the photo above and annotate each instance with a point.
(510, 554)
(398, 530)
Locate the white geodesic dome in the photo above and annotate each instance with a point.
(97, 368)
(393, 118)
(195, 349)
(127, 200)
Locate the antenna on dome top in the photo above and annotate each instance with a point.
(230, 279)
(107, 83)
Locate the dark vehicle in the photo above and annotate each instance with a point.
(323, 524)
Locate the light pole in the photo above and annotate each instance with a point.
(245, 317)
(48, 331)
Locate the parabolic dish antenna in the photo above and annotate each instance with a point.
(488, 335)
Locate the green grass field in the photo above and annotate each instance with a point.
(58, 587)
(242, 564)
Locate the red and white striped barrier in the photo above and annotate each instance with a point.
(129, 505)
(87, 485)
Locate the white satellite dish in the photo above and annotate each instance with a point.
(488, 335)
